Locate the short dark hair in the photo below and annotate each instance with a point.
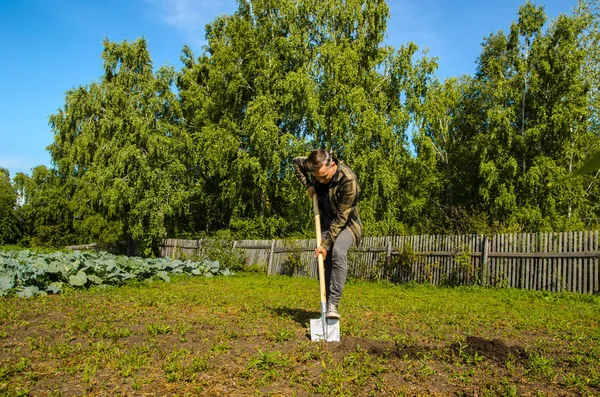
(318, 158)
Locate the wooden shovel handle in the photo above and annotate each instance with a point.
(320, 258)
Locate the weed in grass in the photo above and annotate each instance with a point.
(464, 376)
(176, 368)
(356, 370)
(594, 380)
(52, 325)
(158, 329)
(12, 369)
(89, 372)
(109, 333)
(469, 356)
(576, 359)
(503, 389)
(199, 364)
(425, 371)
(403, 341)
(81, 325)
(539, 367)
(332, 382)
(5, 372)
(63, 349)
(311, 355)
(266, 360)
(353, 359)
(183, 330)
(131, 362)
(510, 365)
(17, 392)
(174, 371)
(231, 334)
(135, 384)
(574, 381)
(281, 335)
(220, 348)
(34, 343)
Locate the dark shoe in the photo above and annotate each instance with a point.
(332, 311)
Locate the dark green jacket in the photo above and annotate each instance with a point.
(342, 192)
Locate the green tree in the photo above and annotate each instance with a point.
(45, 213)
(443, 167)
(529, 123)
(9, 226)
(120, 146)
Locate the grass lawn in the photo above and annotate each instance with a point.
(248, 335)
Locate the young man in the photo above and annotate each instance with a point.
(337, 192)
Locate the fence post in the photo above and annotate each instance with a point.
(388, 258)
(484, 259)
(269, 270)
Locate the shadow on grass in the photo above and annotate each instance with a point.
(301, 316)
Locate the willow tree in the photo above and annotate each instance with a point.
(119, 146)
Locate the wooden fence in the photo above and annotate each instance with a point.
(538, 261)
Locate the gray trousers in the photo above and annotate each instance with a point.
(336, 266)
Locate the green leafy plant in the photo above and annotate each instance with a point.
(539, 366)
(158, 329)
(266, 360)
(282, 335)
(27, 273)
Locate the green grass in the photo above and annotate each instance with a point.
(248, 335)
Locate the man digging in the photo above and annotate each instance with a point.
(337, 191)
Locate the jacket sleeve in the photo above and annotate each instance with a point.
(347, 201)
(302, 171)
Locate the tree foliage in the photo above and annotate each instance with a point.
(281, 77)
(120, 148)
(9, 228)
(45, 213)
(521, 122)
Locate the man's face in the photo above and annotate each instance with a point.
(324, 174)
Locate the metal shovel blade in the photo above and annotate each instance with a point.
(328, 332)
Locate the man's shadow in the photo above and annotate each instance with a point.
(301, 316)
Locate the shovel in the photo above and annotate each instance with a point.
(322, 329)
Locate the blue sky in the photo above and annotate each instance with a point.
(49, 47)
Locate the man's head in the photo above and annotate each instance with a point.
(321, 165)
